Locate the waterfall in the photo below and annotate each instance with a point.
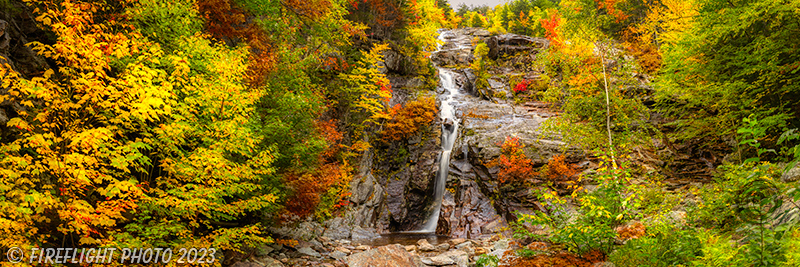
(450, 125)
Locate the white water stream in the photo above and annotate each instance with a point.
(450, 125)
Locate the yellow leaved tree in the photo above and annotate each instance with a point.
(125, 144)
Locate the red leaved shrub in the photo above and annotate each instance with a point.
(514, 166)
(521, 86)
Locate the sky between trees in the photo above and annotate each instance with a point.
(490, 3)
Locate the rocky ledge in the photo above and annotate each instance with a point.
(326, 252)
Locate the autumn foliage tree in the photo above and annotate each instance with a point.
(560, 173)
(514, 166)
(126, 144)
(169, 123)
(407, 120)
(742, 61)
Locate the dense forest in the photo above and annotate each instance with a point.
(239, 125)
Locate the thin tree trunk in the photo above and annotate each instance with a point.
(608, 106)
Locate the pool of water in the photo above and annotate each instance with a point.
(404, 239)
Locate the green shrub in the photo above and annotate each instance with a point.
(726, 202)
(593, 229)
(718, 251)
(668, 247)
(487, 261)
(792, 247)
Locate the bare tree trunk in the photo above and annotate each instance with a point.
(608, 105)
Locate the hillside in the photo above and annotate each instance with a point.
(401, 133)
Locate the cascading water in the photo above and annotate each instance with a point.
(450, 125)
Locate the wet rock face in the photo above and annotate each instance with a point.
(511, 44)
(395, 189)
(396, 63)
(475, 205)
(408, 169)
(469, 208)
(454, 56)
(15, 30)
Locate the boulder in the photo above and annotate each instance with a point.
(361, 189)
(303, 231)
(425, 246)
(342, 249)
(464, 245)
(264, 250)
(338, 255)
(269, 262)
(395, 62)
(364, 234)
(454, 57)
(438, 261)
(787, 213)
(501, 244)
(460, 258)
(494, 226)
(337, 229)
(510, 44)
(456, 241)
(308, 251)
(385, 256)
(792, 175)
(448, 124)
(480, 32)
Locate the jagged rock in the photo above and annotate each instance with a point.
(464, 245)
(364, 234)
(498, 253)
(395, 62)
(460, 258)
(501, 244)
(337, 228)
(363, 247)
(448, 124)
(481, 33)
(303, 231)
(385, 256)
(456, 241)
(338, 255)
(509, 44)
(411, 248)
(308, 251)
(457, 57)
(362, 188)
(468, 249)
(438, 261)
(5, 40)
(269, 262)
(787, 213)
(342, 249)
(425, 246)
(442, 247)
(792, 175)
(494, 226)
(264, 250)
